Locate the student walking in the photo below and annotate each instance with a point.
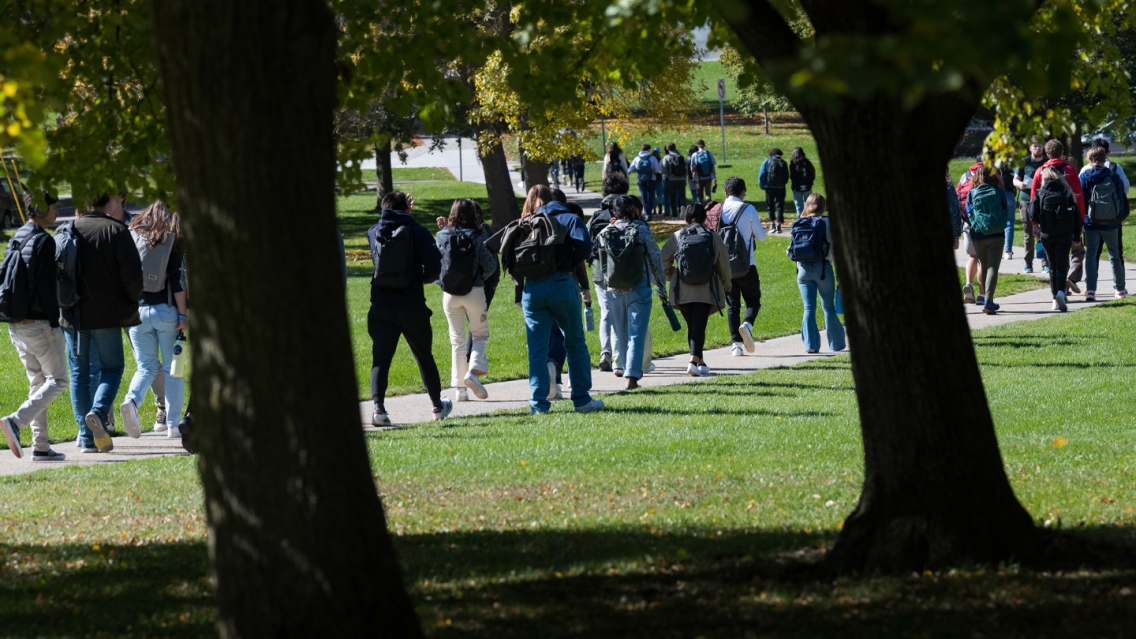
(541, 252)
(772, 178)
(110, 269)
(631, 264)
(649, 171)
(811, 248)
(1102, 143)
(466, 264)
(802, 174)
(1106, 209)
(660, 185)
(692, 175)
(740, 231)
(557, 355)
(162, 311)
(405, 257)
(613, 186)
(971, 270)
(697, 265)
(578, 166)
(704, 171)
(1023, 181)
(614, 161)
(34, 332)
(987, 210)
(954, 211)
(1055, 151)
(1055, 219)
(675, 172)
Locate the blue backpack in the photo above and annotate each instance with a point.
(643, 168)
(809, 240)
(702, 161)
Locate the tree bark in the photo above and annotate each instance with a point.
(383, 174)
(536, 171)
(499, 186)
(765, 119)
(297, 536)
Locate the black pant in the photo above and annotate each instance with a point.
(1057, 252)
(775, 200)
(386, 324)
(696, 316)
(746, 287)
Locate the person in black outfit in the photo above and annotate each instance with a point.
(402, 311)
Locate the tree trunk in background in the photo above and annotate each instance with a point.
(297, 536)
(383, 174)
(1075, 149)
(499, 186)
(765, 119)
(935, 490)
(536, 172)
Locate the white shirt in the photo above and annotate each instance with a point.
(747, 221)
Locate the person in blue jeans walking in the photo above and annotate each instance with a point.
(650, 172)
(1106, 208)
(818, 277)
(631, 263)
(552, 299)
(112, 273)
(157, 236)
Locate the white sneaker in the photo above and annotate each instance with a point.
(650, 369)
(555, 393)
(1008, 255)
(704, 370)
(553, 387)
(968, 293)
(461, 395)
(1055, 306)
(473, 382)
(737, 351)
(692, 370)
(173, 433)
(161, 427)
(1059, 302)
(746, 329)
(130, 422)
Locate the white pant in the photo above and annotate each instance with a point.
(459, 309)
(41, 350)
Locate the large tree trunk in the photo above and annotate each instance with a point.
(383, 173)
(935, 490)
(536, 171)
(297, 537)
(499, 186)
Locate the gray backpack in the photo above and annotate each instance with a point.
(155, 261)
(1104, 206)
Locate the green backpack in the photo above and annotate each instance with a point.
(988, 216)
(622, 256)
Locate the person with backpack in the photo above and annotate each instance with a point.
(1023, 181)
(1056, 221)
(802, 174)
(810, 247)
(541, 252)
(987, 210)
(649, 172)
(772, 178)
(1055, 151)
(704, 171)
(660, 185)
(99, 283)
(1107, 208)
(631, 264)
(466, 264)
(692, 175)
(954, 211)
(697, 265)
(614, 161)
(675, 173)
(971, 269)
(557, 355)
(405, 257)
(29, 305)
(578, 166)
(1006, 179)
(740, 230)
(614, 185)
(1119, 171)
(157, 237)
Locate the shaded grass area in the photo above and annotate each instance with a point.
(697, 510)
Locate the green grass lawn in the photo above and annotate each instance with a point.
(706, 77)
(689, 511)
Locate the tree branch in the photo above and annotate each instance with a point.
(761, 30)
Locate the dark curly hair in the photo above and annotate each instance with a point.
(615, 184)
(735, 186)
(627, 207)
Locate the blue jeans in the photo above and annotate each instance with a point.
(549, 301)
(810, 282)
(695, 192)
(631, 319)
(1093, 240)
(556, 353)
(108, 343)
(647, 194)
(158, 330)
(1009, 233)
(799, 198)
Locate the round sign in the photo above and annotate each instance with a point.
(721, 89)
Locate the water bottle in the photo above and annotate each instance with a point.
(589, 317)
(181, 356)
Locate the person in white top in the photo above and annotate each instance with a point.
(744, 216)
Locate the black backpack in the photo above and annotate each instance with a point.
(1058, 211)
(695, 255)
(531, 257)
(736, 245)
(15, 297)
(459, 264)
(622, 256)
(391, 252)
(778, 172)
(676, 166)
(67, 275)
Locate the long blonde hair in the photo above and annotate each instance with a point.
(156, 222)
(814, 206)
(538, 196)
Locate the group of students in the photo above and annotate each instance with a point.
(68, 296)
(1073, 216)
(708, 265)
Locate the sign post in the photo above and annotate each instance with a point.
(722, 114)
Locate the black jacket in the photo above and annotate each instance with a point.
(38, 252)
(802, 175)
(426, 254)
(111, 276)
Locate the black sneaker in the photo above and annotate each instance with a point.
(47, 455)
(605, 362)
(12, 435)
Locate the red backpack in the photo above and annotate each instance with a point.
(713, 215)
